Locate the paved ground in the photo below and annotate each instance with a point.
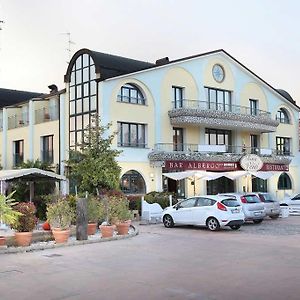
(257, 262)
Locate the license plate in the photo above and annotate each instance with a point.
(235, 211)
(257, 213)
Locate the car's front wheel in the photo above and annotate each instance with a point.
(213, 224)
(235, 227)
(257, 221)
(168, 221)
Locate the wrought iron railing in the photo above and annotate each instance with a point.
(220, 149)
(206, 105)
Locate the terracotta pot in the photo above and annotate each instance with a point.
(92, 227)
(2, 240)
(61, 236)
(106, 230)
(23, 239)
(122, 228)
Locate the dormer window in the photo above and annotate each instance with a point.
(131, 94)
(282, 116)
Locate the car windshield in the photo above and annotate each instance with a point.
(230, 202)
(251, 199)
(266, 198)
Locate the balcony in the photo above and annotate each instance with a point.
(222, 153)
(16, 121)
(46, 114)
(217, 115)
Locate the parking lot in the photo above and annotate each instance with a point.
(256, 262)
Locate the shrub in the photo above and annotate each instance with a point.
(7, 214)
(27, 221)
(95, 209)
(161, 198)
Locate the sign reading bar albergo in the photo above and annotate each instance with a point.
(185, 165)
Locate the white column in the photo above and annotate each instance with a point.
(4, 139)
(31, 130)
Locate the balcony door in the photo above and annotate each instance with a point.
(18, 148)
(177, 139)
(254, 144)
(177, 96)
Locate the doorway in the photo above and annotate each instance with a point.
(220, 185)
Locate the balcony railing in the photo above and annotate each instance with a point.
(206, 105)
(218, 149)
(46, 114)
(47, 156)
(19, 120)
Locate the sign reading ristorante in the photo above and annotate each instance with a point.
(185, 165)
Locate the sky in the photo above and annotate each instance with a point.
(264, 35)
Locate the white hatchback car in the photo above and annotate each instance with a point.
(210, 211)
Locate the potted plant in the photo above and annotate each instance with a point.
(124, 217)
(107, 227)
(60, 215)
(25, 224)
(8, 215)
(95, 212)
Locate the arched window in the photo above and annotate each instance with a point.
(83, 98)
(131, 94)
(132, 182)
(284, 182)
(282, 116)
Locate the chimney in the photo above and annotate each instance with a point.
(162, 61)
(53, 88)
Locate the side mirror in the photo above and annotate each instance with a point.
(177, 207)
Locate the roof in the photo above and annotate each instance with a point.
(109, 65)
(12, 97)
(32, 174)
(286, 95)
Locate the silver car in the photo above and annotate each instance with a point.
(253, 208)
(271, 205)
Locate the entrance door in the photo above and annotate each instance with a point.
(220, 185)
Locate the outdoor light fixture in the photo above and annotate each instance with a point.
(152, 176)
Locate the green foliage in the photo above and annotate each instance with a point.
(7, 214)
(134, 202)
(161, 198)
(40, 188)
(26, 221)
(60, 214)
(117, 209)
(96, 210)
(95, 166)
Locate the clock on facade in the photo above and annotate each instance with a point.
(218, 73)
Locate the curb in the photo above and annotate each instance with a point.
(51, 245)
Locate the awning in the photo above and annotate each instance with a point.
(32, 174)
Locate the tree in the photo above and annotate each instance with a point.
(94, 167)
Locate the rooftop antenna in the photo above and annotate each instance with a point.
(70, 43)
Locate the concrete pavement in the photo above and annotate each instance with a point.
(160, 263)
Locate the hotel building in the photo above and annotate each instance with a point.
(203, 112)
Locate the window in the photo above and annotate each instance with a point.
(18, 152)
(131, 135)
(187, 203)
(218, 99)
(83, 95)
(284, 182)
(217, 137)
(282, 116)
(177, 94)
(177, 139)
(131, 94)
(132, 182)
(254, 144)
(283, 146)
(253, 107)
(47, 149)
(205, 202)
(259, 185)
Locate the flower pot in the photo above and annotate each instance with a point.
(106, 230)
(92, 227)
(2, 240)
(23, 239)
(61, 236)
(122, 228)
